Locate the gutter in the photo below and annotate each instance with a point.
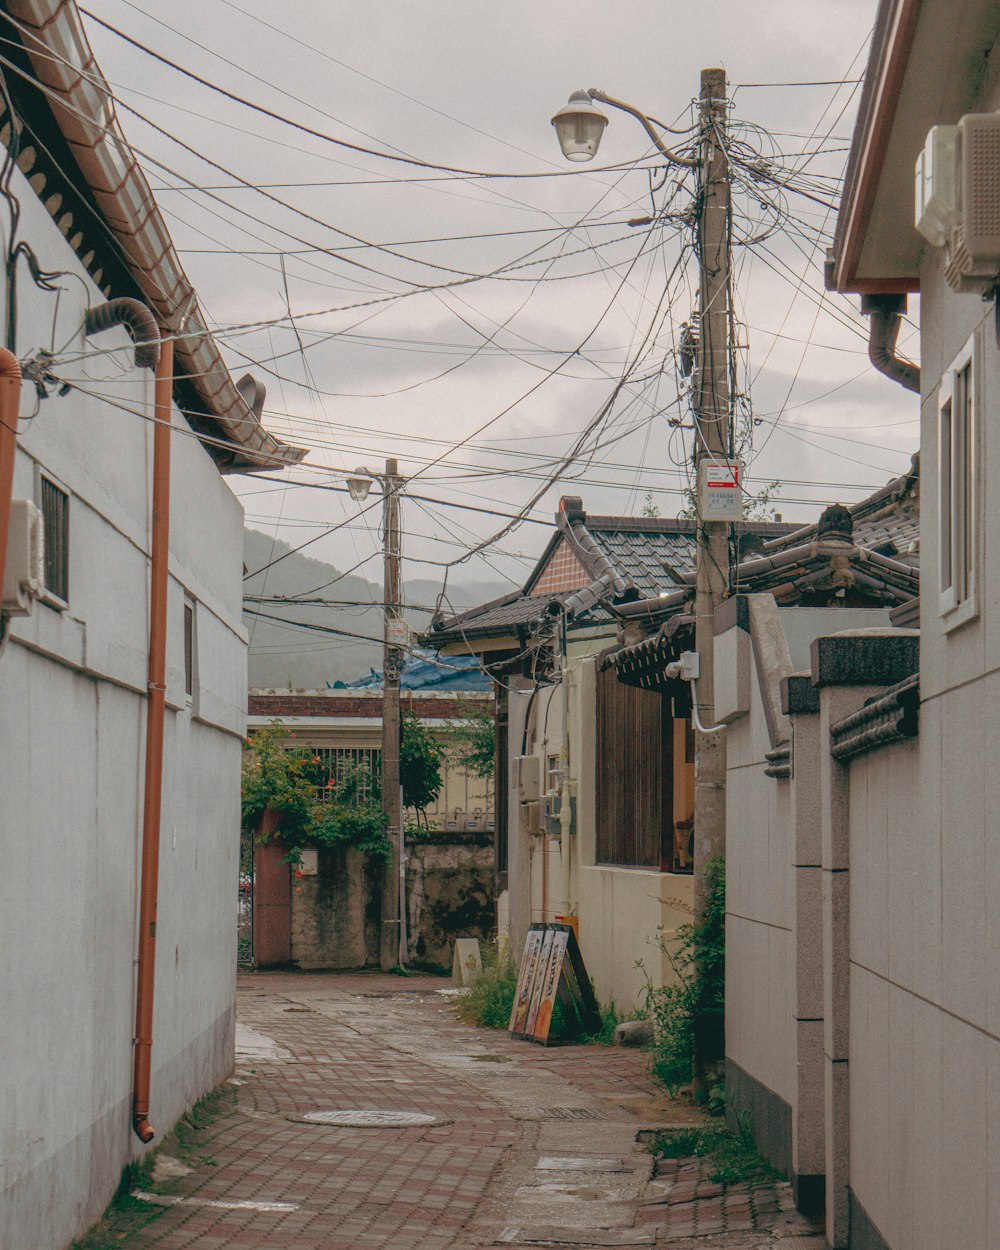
(885, 313)
(83, 108)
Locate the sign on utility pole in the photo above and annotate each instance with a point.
(393, 657)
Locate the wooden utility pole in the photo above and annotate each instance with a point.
(392, 663)
(713, 441)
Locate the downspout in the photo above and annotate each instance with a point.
(565, 808)
(885, 312)
(136, 319)
(10, 398)
(153, 791)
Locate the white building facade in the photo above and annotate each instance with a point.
(73, 705)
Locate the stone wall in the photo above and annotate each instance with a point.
(450, 894)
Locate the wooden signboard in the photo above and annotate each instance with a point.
(536, 990)
(551, 977)
(525, 982)
(552, 967)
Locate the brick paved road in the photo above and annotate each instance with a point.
(529, 1146)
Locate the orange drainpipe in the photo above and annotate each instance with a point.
(10, 398)
(152, 796)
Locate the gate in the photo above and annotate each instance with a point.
(244, 929)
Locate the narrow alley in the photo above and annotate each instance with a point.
(509, 1143)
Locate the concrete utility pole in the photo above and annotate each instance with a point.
(713, 440)
(390, 953)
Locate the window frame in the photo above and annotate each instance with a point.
(49, 595)
(958, 489)
(189, 644)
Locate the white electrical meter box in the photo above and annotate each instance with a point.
(529, 778)
(936, 185)
(397, 632)
(720, 491)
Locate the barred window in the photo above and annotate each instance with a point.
(54, 504)
(336, 762)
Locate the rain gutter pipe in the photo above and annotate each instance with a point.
(565, 806)
(137, 320)
(885, 312)
(10, 398)
(155, 700)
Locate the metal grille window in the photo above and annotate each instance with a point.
(54, 503)
(337, 761)
(189, 648)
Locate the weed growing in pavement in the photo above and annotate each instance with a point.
(731, 1157)
(695, 1001)
(124, 1214)
(490, 996)
(489, 1000)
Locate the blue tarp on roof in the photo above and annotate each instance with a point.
(424, 671)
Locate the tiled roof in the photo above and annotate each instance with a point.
(887, 522)
(424, 672)
(627, 557)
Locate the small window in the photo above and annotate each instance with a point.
(54, 504)
(189, 648)
(957, 489)
(553, 774)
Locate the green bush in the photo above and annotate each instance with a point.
(695, 1003)
(490, 996)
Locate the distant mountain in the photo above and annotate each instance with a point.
(284, 656)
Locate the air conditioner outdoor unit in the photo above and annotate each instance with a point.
(958, 199)
(24, 571)
(529, 778)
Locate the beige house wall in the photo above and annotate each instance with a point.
(622, 913)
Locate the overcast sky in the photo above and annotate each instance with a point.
(521, 362)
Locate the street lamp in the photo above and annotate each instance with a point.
(580, 126)
(360, 484)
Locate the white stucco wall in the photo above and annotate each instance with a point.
(760, 968)
(925, 866)
(72, 690)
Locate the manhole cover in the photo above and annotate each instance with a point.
(489, 1058)
(370, 1118)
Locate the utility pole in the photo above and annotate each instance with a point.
(713, 441)
(390, 953)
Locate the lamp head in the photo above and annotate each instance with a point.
(579, 125)
(360, 484)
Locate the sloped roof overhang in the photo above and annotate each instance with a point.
(926, 67)
(83, 169)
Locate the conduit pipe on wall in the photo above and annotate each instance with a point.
(885, 312)
(10, 398)
(153, 786)
(137, 320)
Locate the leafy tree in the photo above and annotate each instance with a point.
(420, 760)
(473, 742)
(289, 781)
